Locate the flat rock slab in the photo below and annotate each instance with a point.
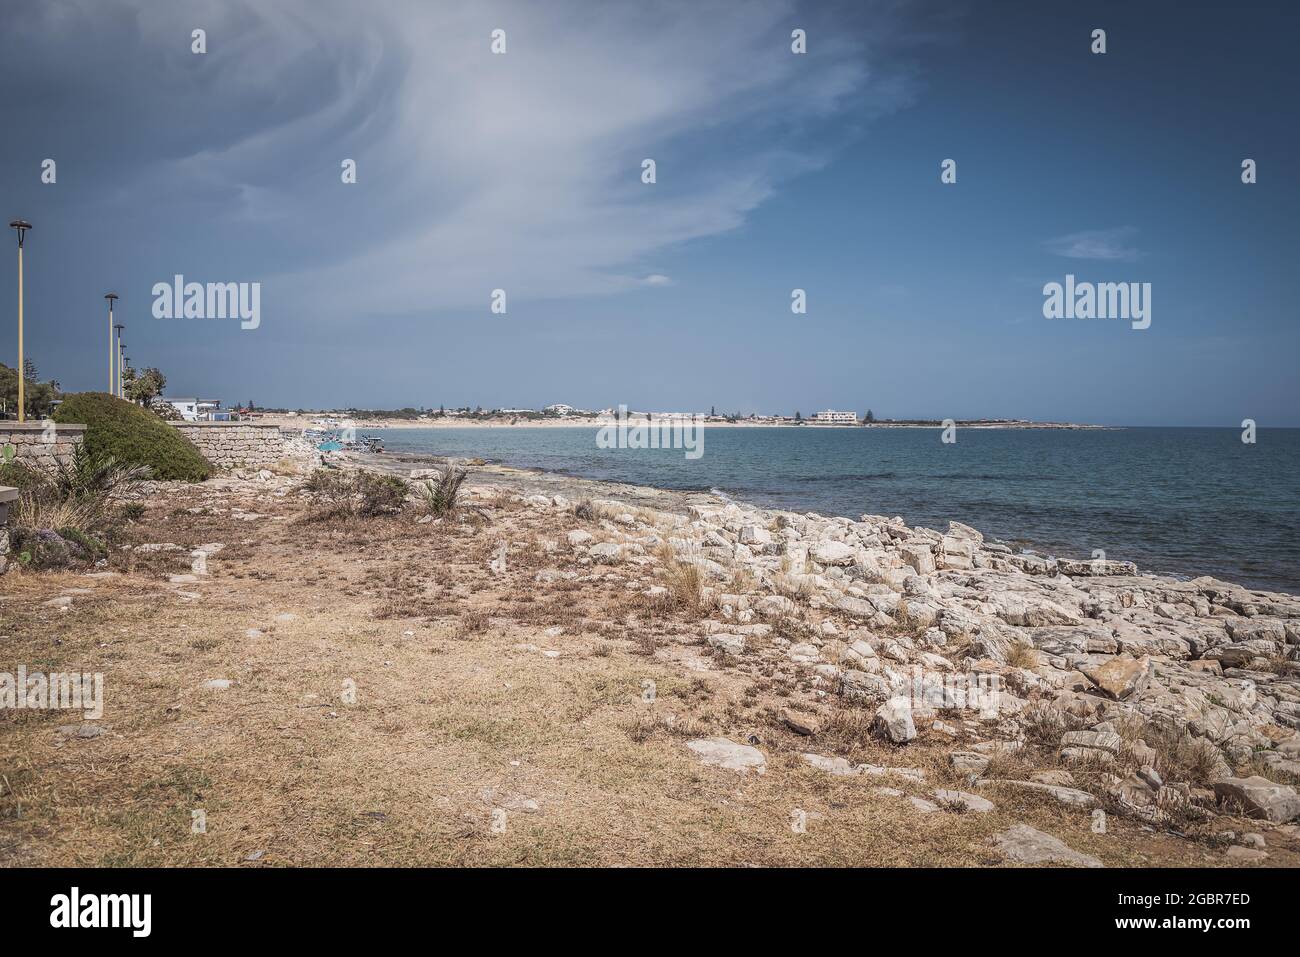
(1071, 797)
(1247, 854)
(1026, 845)
(969, 762)
(1261, 798)
(723, 753)
(1106, 741)
(837, 766)
(84, 730)
(971, 802)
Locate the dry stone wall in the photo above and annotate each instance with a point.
(229, 445)
(42, 444)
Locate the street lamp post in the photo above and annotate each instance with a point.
(22, 226)
(118, 391)
(110, 297)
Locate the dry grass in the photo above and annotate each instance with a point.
(684, 582)
(1022, 655)
(454, 717)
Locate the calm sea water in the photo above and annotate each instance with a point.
(1185, 502)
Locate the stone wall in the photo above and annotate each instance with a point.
(229, 445)
(35, 443)
(7, 497)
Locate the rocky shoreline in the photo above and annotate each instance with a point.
(762, 685)
(1091, 654)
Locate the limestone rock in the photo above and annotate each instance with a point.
(730, 644)
(894, 720)
(1120, 678)
(1261, 798)
(832, 553)
(1026, 845)
(971, 802)
(836, 766)
(728, 755)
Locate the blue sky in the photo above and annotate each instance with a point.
(775, 172)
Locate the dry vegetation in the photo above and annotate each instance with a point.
(564, 702)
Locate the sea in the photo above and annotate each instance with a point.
(1178, 501)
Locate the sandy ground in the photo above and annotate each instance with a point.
(393, 701)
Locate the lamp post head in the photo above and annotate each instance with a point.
(119, 327)
(110, 296)
(22, 226)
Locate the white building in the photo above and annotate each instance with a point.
(195, 409)
(836, 418)
(188, 408)
(559, 408)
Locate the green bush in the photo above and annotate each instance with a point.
(19, 475)
(364, 494)
(132, 435)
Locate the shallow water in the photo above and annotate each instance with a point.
(1177, 501)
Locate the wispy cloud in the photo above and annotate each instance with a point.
(1110, 244)
(475, 171)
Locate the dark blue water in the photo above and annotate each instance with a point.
(1186, 502)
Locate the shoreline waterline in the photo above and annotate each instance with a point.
(1031, 515)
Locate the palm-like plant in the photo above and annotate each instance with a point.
(87, 475)
(77, 493)
(440, 497)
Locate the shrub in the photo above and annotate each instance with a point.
(439, 498)
(19, 476)
(349, 494)
(132, 435)
(380, 494)
(46, 548)
(77, 498)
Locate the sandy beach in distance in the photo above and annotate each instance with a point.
(308, 420)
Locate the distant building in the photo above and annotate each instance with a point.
(188, 408)
(197, 410)
(836, 418)
(559, 408)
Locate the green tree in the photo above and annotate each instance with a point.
(37, 396)
(145, 387)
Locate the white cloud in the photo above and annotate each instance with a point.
(518, 171)
(474, 171)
